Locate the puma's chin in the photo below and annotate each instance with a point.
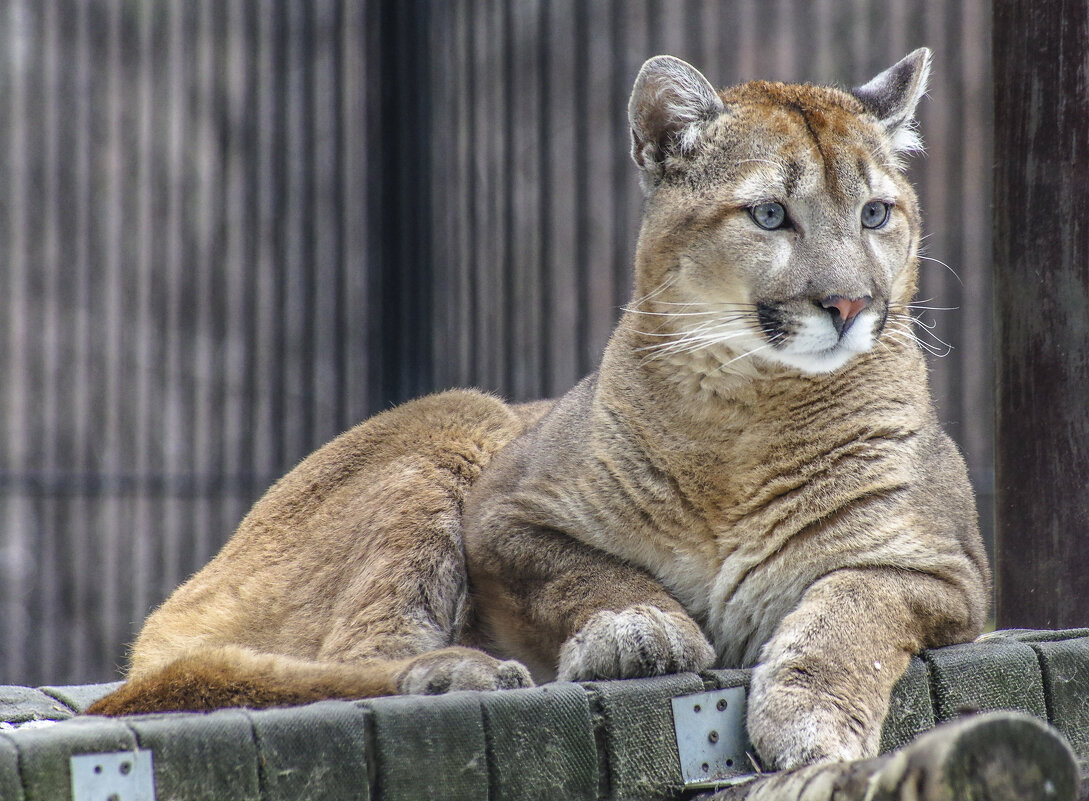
(816, 347)
(816, 362)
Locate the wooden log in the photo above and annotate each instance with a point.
(1041, 201)
(1002, 756)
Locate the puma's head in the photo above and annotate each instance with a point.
(778, 223)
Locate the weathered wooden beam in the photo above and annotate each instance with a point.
(1041, 195)
(1003, 756)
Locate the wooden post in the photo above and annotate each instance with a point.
(1041, 75)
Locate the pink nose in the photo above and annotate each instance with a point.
(844, 310)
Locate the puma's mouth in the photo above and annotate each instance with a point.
(821, 336)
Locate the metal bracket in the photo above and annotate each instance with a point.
(712, 741)
(118, 776)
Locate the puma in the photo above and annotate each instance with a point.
(755, 476)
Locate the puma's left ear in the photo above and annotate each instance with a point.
(670, 104)
(893, 95)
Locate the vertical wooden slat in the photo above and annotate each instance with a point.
(299, 282)
(789, 18)
(201, 355)
(222, 313)
(33, 291)
(268, 423)
(52, 619)
(523, 231)
(937, 284)
(631, 47)
(634, 45)
(974, 362)
(354, 299)
(486, 135)
(176, 429)
(900, 40)
(85, 644)
(406, 59)
(825, 56)
(108, 341)
(141, 379)
(77, 562)
(859, 40)
(741, 31)
(237, 307)
(375, 127)
(239, 252)
(559, 242)
(326, 386)
(445, 222)
(470, 253)
(708, 38)
(598, 133)
(950, 116)
(671, 30)
(18, 523)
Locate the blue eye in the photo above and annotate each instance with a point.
(769, 216)
(875, 214)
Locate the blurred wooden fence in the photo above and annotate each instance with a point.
(230, 230)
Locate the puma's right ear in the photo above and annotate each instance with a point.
(669, 105)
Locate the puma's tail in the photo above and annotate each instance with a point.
(213, 678)
(208, 678)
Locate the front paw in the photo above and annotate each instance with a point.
(639, 641)
(457, 668)
(794, 721)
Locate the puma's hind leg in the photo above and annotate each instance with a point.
(346, 580)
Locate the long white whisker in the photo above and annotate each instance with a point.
(943, 264)
(662, 287)
(676, 335)
(921, 306)
(715, 325)
(939, 340)
(884, 344)
(904, 336)
(749, 353)
(710, 305)
(928, 329)
(707, 334)
(690, 343)
(684, 314)
(924, 324)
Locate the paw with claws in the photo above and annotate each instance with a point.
(458, 668)
(639, 641)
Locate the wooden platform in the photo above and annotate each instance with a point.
(597, 740)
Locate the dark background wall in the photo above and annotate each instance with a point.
(228, 231)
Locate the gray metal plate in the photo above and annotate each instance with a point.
(117, 776)
(712, 741)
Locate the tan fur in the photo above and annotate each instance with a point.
(352, 559)
(754, 477)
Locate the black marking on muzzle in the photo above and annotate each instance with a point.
(771, 321)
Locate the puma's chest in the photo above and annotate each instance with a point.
(739, 548)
